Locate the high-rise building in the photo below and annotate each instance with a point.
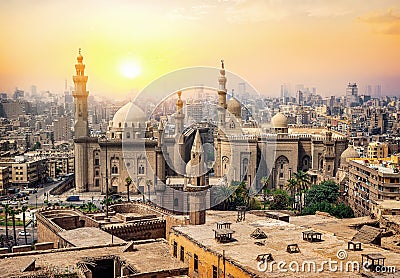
(62, 128)
(285, 90)
(352, 95)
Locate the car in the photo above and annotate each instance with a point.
(22, 233)
(72, 198)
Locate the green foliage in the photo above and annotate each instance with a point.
(280, 200)
(323, 197)
(327, 191)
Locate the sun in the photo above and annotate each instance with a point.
(130, 69)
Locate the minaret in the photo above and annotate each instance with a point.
(197, 188)
(160, 156)
(197, 161)
(80, 100)
(221, 96)
(179, 115)
(81, 126)
(329, 153)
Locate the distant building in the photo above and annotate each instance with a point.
(352, 95)
(377, 150)
(62, 129)
(25, 172)
(4, 179)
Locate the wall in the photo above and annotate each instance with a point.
(207, 259)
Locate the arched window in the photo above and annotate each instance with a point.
(141, 167)
(114, 166)
(243, 168)
(128, 135)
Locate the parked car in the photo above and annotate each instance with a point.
(22, 233)
(73, 198)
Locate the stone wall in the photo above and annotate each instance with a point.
(149, 229)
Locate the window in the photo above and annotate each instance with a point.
(196, 263)
(97, 182)
(182, 254)
(175, 249)
(97, 172)
(128, 135)
(176, 202)
(141, 170)
(215, 272)
(114, 169)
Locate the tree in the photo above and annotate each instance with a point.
(303, 179)
(223, 195)
(327, 191)
(24, 209)
(265, 182)
(280, 200)
(128, 182)
(292, 186)
(148, 183)
(6, 213)
(14, 212)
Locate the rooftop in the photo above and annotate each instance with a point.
(89, 236)
(150, 255)
(244, 249)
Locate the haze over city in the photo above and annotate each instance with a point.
(322, 44)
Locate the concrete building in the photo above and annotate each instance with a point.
(377, 150)
(62, 129)
(4, 179)
(372, 180)
(26, 172)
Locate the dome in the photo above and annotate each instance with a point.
(279, 121)
(234, 107)
(350, 152)
(128, 114)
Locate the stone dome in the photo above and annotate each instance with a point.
(234, 107)
(127, 115)
(279, 121)
(350, 152)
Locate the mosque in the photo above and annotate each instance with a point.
(164, 167)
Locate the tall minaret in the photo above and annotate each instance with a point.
(221, 96)
(197, 161)
(80, 100)
(81, 126)
(179, 116)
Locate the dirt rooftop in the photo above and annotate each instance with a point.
(153, 255)
(335, 235)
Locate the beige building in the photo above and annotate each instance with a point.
(372, 181)
(378, 150)
(26, 172)
(62, 129)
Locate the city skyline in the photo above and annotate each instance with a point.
(128, 44)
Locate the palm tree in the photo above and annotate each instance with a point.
(128, 182)
(223, 194)
(149, 183)
(303, 180)
(292, 186)
(265, 182)
(14, 212)
(6, 212)
(24, 209)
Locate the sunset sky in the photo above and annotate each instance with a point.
(126, 44)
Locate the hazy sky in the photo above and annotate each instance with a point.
(321, 43)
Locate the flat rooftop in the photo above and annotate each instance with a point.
(151, 255)
(244, 250)
(89, 236)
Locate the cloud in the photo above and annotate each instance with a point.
(383, 22)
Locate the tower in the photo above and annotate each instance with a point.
(81, 126)
(329, 154)
(196, 172)
(80, 100)
(179, 115)
(221, 96)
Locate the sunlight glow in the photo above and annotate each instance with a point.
(130, 70)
